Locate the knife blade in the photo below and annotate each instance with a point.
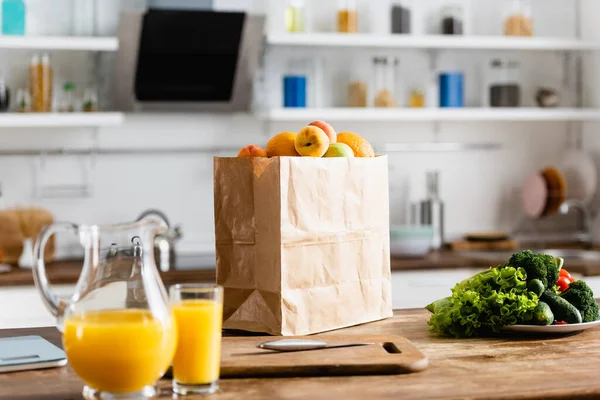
(304, 345)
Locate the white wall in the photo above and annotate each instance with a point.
(480, 188)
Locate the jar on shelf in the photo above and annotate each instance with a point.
(417, 98)
(67, 101)
(453, 20)
(347, 16)
(384, 81)
(40, 82)
(401, 16)
(295, 16)
(90, 100)
(358, 89)
(23, 101)
(503, 83)
(518, 20)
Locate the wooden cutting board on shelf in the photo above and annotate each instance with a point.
(467, 245)
(240, 358)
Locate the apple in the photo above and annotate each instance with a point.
(339, 150)
(328, 129)
(312, 141)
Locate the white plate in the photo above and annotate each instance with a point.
(569, 328)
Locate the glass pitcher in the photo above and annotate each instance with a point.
(118, 328)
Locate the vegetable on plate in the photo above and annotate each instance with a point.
(523, 291)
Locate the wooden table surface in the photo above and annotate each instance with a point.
(508, 367)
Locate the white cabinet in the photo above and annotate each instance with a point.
(22, 307)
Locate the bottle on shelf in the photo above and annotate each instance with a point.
(295, 15)
(347, 17)
(401, 16)
(40, 81)
(518, 20)
(68, 98)
(13, 17)
(453, 19)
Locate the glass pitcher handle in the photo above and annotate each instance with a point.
(53, 303)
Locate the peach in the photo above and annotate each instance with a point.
(252, 151)
(339, 150)
(312, 141)
(328, 129)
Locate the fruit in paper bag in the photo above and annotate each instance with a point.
(357, 143)
(282, 145)
(339, 150)
(252, 151)
(328, 129)
(312, 142)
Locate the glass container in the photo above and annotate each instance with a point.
(23, 101)
(118, 328)
(347, 16)
(295, 16)
(90, 100)
(503, 83)
(453, 18)
(13, 17)
(518, 20)
(40, 83)
(384, 81)
(68, 98)
(198, 310)
(417, 98)
(4, 96)
(401, 16)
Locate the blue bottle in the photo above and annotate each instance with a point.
(452, 89)
(13, 17)
(294, 91)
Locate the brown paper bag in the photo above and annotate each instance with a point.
(302, 243)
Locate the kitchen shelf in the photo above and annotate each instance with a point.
(429, 114)
(439, 42)
(60, 120)
(59, 43)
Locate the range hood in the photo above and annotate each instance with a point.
(187, 60)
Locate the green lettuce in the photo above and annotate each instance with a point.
(497, 297)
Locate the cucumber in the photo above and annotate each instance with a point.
(562, 309)
(536, 286)
(542, 314)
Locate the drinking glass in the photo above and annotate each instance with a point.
(198, 310)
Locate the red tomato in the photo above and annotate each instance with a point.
(560, 323)
(565, 273)
(563, 283)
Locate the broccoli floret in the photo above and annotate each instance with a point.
(581, 296)
(534, 265)
(553, 269)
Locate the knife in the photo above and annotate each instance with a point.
(303, 345)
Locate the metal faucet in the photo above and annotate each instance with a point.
(586, 218)
(164, 244)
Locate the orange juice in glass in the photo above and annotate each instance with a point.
(198, 310)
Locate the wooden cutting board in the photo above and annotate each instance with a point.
(465, 245)
(240, 358)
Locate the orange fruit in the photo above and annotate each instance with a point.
(282, 145)
(357, 143)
